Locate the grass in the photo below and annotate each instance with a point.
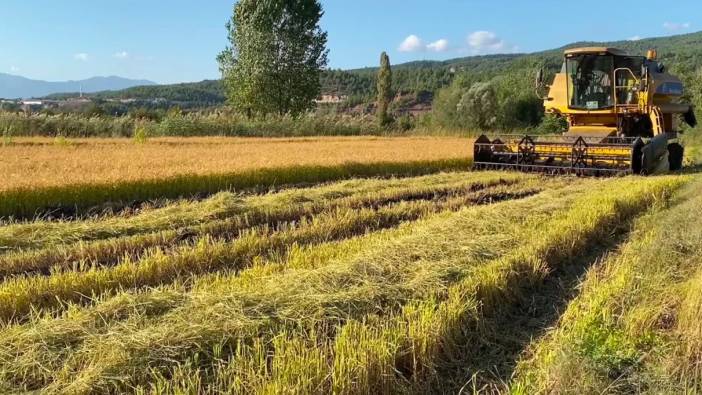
(364, 315)
(218, 123)
(635, 326)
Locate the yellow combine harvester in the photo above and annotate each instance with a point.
(622, 114)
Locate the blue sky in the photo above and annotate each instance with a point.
(177, 40)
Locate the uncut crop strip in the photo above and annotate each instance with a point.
(298, 201)
(319, 286)
(117, 160)
(254, 211)
(21, 295)
(636, 323)
(30, 202)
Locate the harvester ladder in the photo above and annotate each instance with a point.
(657, 119)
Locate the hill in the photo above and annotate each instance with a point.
(14, 87)
(206, 92)
(683, 53)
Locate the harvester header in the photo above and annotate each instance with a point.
(623, 117)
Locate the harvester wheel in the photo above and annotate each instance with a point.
(675, 156)
(637, 156)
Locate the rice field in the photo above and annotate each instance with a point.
(42, 175)
(398, 280)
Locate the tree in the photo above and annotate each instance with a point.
(384, 90)
(479, 106)
(276, 55)
(696, 88)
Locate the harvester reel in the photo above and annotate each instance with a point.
(527, 151)
(483, 150)
(578, 158)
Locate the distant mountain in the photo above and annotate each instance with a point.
(682, 53)
(205, 93)
(15, 87)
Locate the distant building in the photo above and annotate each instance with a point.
(37, 104)
(331, 99)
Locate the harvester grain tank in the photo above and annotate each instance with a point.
(623, 115)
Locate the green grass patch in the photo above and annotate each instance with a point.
(635, 326)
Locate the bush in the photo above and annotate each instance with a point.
(478, 107)
(140, 134)
(67, 125)
(553, 124)
(505, 102)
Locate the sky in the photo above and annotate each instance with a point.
(170, 41)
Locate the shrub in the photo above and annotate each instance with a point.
(140, 134)
(553, 124)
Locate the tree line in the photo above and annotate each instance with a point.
(276, 63)
(277, 56)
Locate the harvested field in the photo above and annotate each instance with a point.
(421, 283)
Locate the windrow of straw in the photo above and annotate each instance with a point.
(313, 288)
(23, 294)
(635, 327)
(382, 354)
(109, 251)
(282, 205)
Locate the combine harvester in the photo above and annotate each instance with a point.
(622, 114)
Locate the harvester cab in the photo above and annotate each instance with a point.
(622, 112)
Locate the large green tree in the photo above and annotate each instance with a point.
(479, 106)
(276, 54)
(384, 89)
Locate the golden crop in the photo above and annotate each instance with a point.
(400, 278)
(45, 162)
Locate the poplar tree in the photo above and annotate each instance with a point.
(384, 90)
(275, 57)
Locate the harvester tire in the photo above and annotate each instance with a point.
(637, 156)
(675, 156)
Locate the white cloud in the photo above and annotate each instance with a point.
(121, 55)
(673, 27)
(438, 45)
(411, 44)
(83, 57)
(415, 44)
(635, 38)
(14, 69)
(484, 42)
